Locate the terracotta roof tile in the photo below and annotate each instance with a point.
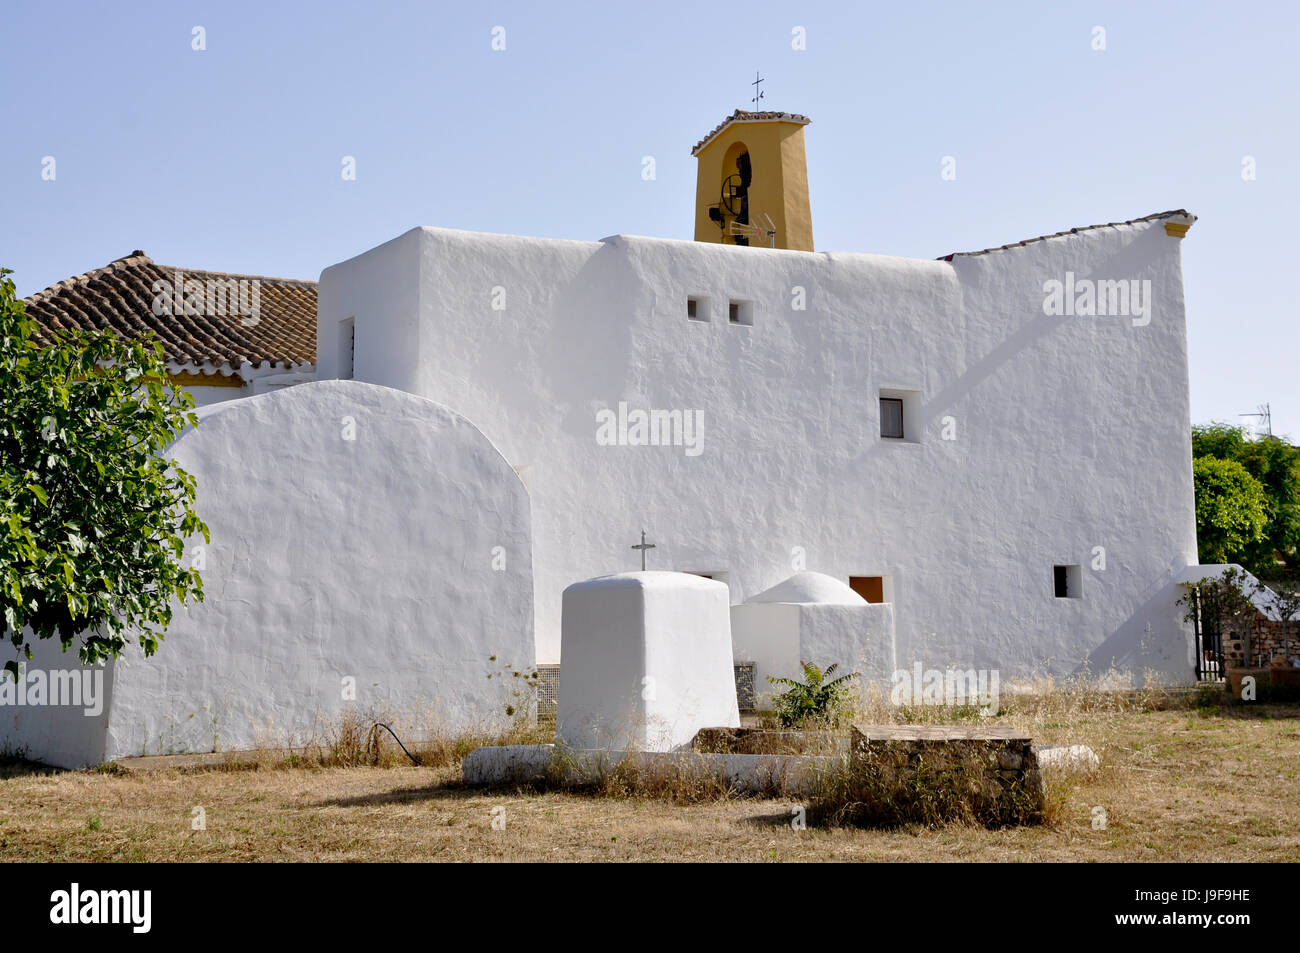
(120, 296)
(743, 115)
(1084, 228)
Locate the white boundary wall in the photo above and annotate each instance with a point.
(359, 533)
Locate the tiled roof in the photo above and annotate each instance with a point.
(120, 297)
(742, 115)
(1085, 228)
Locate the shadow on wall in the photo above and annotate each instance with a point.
(585, 310)
(1135, 259)
(1153, 637)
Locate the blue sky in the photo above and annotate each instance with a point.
(229, 158)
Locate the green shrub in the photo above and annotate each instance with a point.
(814, 700)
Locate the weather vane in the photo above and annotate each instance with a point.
(758, 93)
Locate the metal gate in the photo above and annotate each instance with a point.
(1209, 645)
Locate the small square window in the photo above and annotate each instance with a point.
(1067, 582)
(741, 312)
(891, 417)
(697, 308)
(900, 414)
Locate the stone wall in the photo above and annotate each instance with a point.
(938, 773)
(1268, 639)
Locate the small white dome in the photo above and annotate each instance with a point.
(809, 587)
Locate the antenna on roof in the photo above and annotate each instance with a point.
(751, 231)
(1265, 415)
(758, 93)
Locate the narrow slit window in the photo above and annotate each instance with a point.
(347, 348)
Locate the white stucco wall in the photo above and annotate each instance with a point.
(374, 558)
(647, 662)
(859, 638)
(778, 637)
(768, 636)
(67, 728)
(1070, 433)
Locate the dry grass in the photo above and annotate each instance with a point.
(1178, 782)
(369, 738)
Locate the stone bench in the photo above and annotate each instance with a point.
(933, 773)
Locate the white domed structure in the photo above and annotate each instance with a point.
(808, 588)
(811, 617)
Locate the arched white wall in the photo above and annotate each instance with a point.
(400, 558)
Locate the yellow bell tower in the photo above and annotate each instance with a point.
(751, 184)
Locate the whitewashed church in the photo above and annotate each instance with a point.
(981, 461)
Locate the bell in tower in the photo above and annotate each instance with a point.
(752, 182)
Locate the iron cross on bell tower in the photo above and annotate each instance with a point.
(643, 547)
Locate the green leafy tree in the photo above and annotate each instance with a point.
(1276, 465)
(814, 699)
(1231, 509)
(93, 519)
